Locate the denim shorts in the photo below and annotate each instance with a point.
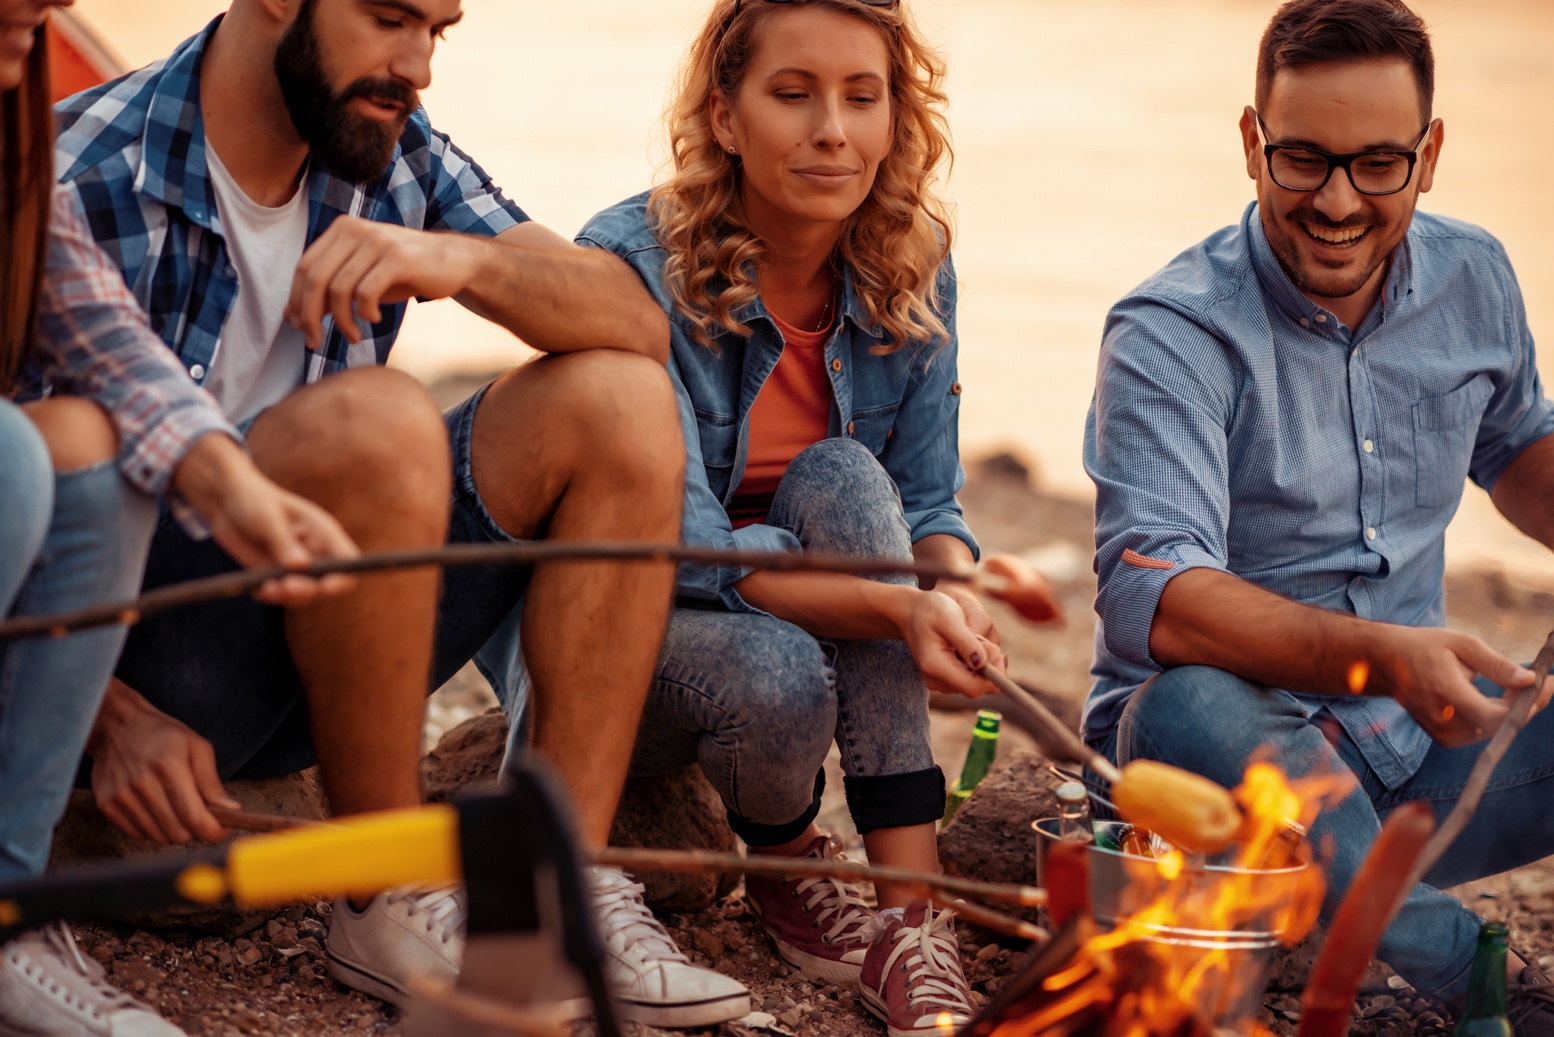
(224, 668)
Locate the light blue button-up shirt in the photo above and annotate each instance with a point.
(1239, 426)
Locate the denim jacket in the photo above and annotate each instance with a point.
(904, 406)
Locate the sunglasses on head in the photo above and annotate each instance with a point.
(871, 3)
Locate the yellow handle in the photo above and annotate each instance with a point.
(361, 855)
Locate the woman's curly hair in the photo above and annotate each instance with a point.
(894, 242)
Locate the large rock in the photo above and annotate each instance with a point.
(676, 811)
(87, 837)
(991, 837)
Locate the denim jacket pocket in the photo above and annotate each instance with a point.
(872, 427)
(1445, 428)
(719, 435)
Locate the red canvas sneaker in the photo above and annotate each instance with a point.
(912, 977)
(815, 923)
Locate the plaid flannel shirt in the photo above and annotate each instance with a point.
(93, 342)
(133, 155)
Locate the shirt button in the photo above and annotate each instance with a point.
(1368, 447)
(197, 372)
(849, 428)
(955, 389)
(1321, 318)
(836, 365)
(1305, 323)
(1370, 533)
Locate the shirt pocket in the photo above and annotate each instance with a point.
(719, 436)
(872, 427)
(1445, 428)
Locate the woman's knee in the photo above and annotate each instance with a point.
(78, 432)
(837, 496)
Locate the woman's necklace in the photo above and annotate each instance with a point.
(825, 315)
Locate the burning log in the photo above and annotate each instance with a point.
(1361, 919)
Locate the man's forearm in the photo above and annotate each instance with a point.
(564, 300)
(1524, 493)
(1210, 618)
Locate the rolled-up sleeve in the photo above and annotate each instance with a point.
(1518, 413)
(464, 198)
(1156, 447)
(923, 453)
(95, 343)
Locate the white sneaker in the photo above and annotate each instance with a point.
(413, 932)
(48, 987)
(655, 983)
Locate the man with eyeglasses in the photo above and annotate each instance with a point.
(1283, 420)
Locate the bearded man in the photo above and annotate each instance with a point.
(274, 195)
(1283, 421)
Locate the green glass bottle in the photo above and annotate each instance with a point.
(979, 757)
(1484, 1015)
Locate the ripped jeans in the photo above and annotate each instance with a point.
(757, 702)
(67, 540)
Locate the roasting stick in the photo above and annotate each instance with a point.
(1003, 577)
(704, 862)
(1190, 812)
(1478, 779)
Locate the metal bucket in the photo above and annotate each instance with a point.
(1122, 883)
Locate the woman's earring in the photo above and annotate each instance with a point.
(733, 150)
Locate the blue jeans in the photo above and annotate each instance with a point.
(757, 701)
(66, 541)
(1212, 722)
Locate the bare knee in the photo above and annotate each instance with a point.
(78, 432)
(371, 436)
(623, 411)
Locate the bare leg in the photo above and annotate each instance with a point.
(915, 847)
(577, 447)
(369, 446)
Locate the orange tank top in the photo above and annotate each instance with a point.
(792, 411)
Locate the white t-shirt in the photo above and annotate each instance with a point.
(260, 357)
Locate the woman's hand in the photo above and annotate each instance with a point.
(971, 606)
(259, 524)
(946, 648)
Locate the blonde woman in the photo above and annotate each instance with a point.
(803, 257)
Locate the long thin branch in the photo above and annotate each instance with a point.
(521, 552)
(1478, 778)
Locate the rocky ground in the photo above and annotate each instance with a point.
(271, 980)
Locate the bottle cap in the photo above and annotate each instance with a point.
(988, 721)
(1071, 792)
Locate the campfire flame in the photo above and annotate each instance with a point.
(1167, 967)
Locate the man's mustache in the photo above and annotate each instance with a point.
(1307, 214)
(391, 90)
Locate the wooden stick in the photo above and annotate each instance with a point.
(1478, 778)
(83, 802)
(1056, 739)
(705, 862)
(520, 552)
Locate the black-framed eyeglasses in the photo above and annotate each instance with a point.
(872, 3)
(1297, 168)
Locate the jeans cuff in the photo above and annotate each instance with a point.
(756, 834)
(895, 800)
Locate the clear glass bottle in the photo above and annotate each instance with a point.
(1074, 813)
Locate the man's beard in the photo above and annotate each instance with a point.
(1310, 275)
(352, 147)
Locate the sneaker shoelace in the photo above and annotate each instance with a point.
(928, 954)
(834, 899)
(1531, 994)
(441, 907)
(622, 911)
(94, 995)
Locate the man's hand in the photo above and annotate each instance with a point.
(357, 266)
(151, 775)
(946, 648)
(259, 524)
(1430, 671)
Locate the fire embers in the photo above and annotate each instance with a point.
(1171, 944)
